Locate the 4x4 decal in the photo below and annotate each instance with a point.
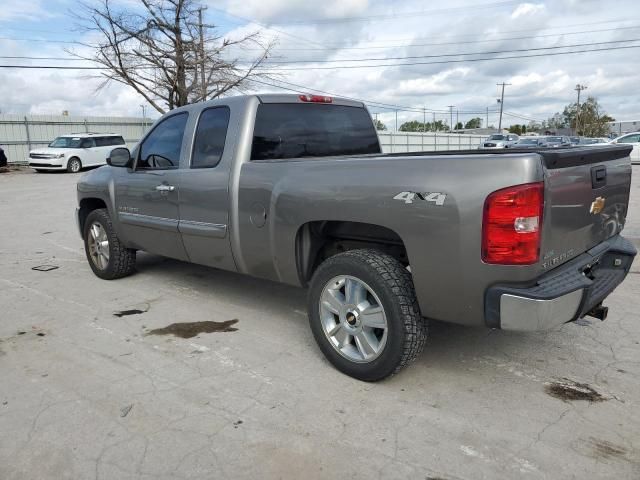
(434, 197)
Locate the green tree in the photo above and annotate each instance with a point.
(459, 126)
(474, 123)
(589, 120)
(517, 129)
(412, 126)
(379, 125)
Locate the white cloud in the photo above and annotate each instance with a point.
(442, 82)
(281, 10)
(527, 9)
(541, 85)
(25, 10)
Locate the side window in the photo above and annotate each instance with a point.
(116, 141)
(211, 134)
(87, 143)
(630, 139)
(161, 149)
(102, 141)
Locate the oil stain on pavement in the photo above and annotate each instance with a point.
(568, 390)
(191, 329)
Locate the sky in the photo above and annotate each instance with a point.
(422, 56)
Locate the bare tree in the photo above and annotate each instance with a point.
(167, 54)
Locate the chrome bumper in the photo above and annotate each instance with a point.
(564, 294)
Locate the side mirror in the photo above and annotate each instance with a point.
(119, 157)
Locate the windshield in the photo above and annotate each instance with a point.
(528, 141)
(553, 139)
(496, 137)
(66, 142)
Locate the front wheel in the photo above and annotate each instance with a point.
(364, 314)
(108, 258)
(74, 165)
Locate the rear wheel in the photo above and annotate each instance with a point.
(74, 165)
(108, 258)
(364, 314)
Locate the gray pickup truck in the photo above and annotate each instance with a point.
(295, 189)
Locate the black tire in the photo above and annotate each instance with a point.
(393, 284)
(40, 170)
(74, 165)
(122, 260)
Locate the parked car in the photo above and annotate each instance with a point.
(526, 143)
(295, 189)
(3, 158)
(574, 140)
(598, 141)
(632, 139)
(555, 142)
(74, 152)
(499, 140)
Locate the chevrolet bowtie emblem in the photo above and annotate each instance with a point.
(597, 205)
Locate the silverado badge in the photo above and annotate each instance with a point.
(597, 205)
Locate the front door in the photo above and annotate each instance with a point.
(204, 192)
(147, 200)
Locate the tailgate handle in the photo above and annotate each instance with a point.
(598, 176)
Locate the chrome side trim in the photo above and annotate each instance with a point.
(203, 229)
(148, 221)
(530, 315)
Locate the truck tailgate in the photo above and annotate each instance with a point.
(586, 200)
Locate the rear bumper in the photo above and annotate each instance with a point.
(565, 294)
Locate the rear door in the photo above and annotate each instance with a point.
(147, 199)
(204, 191)
(586, 199)
(89, 151)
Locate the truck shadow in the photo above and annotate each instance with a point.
(450, 347)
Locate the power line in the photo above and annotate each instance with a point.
(463, 54)
(466, 42)
(336, 46)
(43, 58)
(51, 67)
(458, 54)
(511, 57)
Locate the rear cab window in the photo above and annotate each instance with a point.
(291, 130)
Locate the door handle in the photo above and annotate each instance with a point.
(165, 188)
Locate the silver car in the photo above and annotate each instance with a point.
(499, 140)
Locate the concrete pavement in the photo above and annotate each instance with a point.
(87, 394)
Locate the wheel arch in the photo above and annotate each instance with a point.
(315, 241)
(88, 205)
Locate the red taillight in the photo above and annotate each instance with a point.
(315, 98)
(511, 225)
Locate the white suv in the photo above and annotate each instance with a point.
(75, 151)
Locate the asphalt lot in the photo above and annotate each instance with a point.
(87, 394)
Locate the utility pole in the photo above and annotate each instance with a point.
(451, 118)
(578, 89)
(203, 85)
(501, 103)
(396, 120)
(487, 125)
(144, 118)
(457, 120)
(424, 119)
